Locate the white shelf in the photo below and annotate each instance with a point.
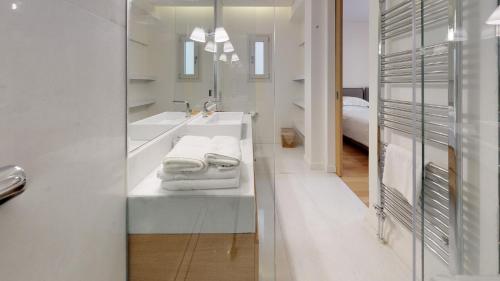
(144, 78)
(299, 78)
(142, 42)
(137, 103)
(299, 104)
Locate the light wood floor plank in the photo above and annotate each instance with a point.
(356, 170)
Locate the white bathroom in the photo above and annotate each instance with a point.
(269, 140)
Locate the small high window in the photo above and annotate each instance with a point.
(188, 59)
(260, 60)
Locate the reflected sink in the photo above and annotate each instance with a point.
(151, 127)
(217, 124)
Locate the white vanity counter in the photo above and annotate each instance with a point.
(154, 210)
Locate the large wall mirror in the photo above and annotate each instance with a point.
(169, 75)
(183, 53)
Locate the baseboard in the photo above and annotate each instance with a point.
(314, 165)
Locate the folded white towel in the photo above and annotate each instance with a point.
(212, 173)
(224, 152)
(398, 171)
(201, 184)
(188, 155)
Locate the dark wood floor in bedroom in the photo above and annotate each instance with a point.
(356, 170)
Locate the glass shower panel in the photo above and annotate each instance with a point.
(432, 182)
(459, 197)
(211, 222)
(399, 109)
(240, 89)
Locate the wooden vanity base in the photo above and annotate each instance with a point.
(193, 257)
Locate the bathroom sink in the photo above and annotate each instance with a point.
(151, 127)
(217, 124)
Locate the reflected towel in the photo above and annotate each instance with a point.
(224, 152)
(398, 171)
(200, 184)
(188, 155)
(212, 173)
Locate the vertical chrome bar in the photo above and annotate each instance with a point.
(381, 53)
(455, 134)
(423, 106)
(415, 131)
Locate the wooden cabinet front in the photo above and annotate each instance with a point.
(193, 257)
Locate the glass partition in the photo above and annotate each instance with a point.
(216, 221)
(460, 178)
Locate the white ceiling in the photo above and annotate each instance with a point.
(356, 10)
(224, 2)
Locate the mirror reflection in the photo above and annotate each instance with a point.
(169, 75)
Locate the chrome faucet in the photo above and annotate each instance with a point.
(205, 108)
(188, 107)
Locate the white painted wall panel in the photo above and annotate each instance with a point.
(62, 106)
(355, 43)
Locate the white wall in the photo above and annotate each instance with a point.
(63, 112)
(316, 83)
(355, 64)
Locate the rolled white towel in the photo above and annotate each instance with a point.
(188, 155)
(224, 152)
(212, 173)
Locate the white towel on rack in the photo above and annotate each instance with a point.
(224, 152)
(188, 155)
(398, 171)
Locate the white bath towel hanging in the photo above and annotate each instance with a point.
(188, 155)
(224, 152)
(398, 171)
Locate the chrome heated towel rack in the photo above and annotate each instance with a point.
(435, 65)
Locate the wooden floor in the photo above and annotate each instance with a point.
(356, 170)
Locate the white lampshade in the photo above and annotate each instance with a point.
(223, 58)
(494, 19)
(221, 35)
(198, 35)
(211, 47)
(228, 47)
(235, 58)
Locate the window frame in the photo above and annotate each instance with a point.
(267, 57)
(181, 76)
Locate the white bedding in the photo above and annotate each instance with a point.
(355, 122)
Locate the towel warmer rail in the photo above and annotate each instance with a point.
(437, 219)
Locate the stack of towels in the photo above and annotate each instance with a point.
(197, 163)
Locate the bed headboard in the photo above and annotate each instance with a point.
(362, 93)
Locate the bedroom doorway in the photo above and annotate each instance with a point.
(352, 101)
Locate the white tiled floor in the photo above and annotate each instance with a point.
(321, 234)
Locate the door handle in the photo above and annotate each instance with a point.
(12, 182)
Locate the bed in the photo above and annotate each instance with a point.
(356, 115)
